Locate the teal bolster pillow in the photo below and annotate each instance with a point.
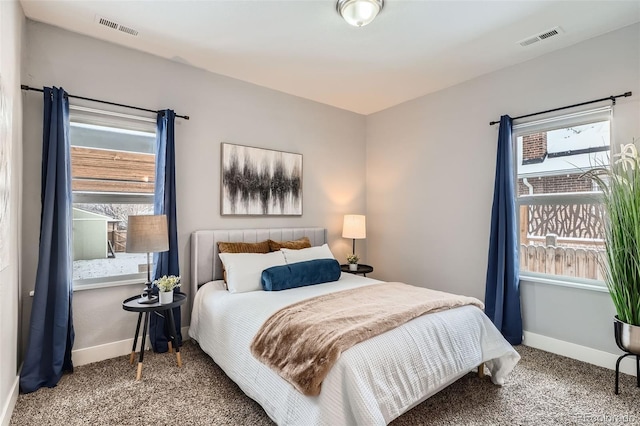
(300, 274)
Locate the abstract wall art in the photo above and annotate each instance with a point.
(260, 182)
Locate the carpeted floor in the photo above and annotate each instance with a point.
(544, 389)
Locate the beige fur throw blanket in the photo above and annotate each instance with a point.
(302, 341)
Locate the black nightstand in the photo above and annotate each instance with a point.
(131, 304)
(362, 269)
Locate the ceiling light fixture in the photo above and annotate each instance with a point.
(359, 12)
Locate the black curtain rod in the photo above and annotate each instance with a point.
(35, 89)
(608, 98)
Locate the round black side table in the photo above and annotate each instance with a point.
(131, 304)
(362, 269)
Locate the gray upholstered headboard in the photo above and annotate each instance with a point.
(205, 262)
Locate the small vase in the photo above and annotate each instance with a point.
(353, 266)
(166, 297)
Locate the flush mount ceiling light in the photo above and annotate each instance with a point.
(359, 12)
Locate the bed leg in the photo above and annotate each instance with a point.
(481, 370)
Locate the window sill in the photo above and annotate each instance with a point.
(564, 283)
(106, 283)
(103, 284)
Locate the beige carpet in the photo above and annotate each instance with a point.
(544, 389)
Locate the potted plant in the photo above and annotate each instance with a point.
(352, 260)
(620, 186)
(165, 285)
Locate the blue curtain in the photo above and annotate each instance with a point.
(502, 296)
(51, 326)
(166, 263)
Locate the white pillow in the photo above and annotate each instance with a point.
(312, 253)
(244, 270)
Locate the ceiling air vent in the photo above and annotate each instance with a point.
(539, 37)
(101, 20)
(108, 23)
(128, 30)
(548, 34)
(529, 41)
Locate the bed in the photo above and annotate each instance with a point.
(373, 382)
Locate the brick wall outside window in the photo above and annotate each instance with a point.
(556, 184)
(534, 146)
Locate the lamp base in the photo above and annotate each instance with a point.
(148, 300)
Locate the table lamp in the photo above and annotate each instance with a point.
(147, 234)
(354, 226)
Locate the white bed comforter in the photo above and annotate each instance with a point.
(373, 382)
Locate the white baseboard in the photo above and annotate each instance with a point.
(10, 403)
(111, 350)
(581, 353)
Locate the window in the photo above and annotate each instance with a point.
(113, 175)
(561, 233)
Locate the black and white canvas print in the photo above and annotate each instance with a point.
(258, 181)
(5, 175)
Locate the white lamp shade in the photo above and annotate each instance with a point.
(354, 226)
(359, 12)
(147, 234)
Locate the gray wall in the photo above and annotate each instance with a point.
(430, 173)
(11, 36)
(222, 109)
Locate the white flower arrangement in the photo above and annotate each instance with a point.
(628, 156)
(352, 259)
(167, 283)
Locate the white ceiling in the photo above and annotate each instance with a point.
(303, 47)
